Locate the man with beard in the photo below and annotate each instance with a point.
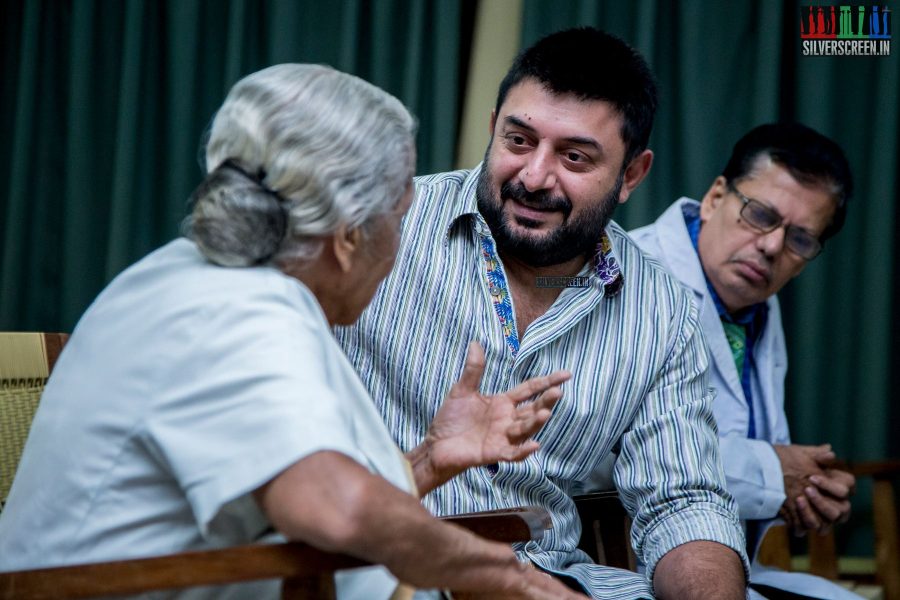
(481, 258)
(782, 193)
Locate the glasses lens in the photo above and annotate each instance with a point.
(760, 216)
(802, 244)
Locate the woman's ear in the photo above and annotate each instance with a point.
(346, 243)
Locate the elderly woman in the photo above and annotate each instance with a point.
(202, 401)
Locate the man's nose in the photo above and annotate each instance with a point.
(539, 172)
(773, 242)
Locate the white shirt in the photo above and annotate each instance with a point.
(185, 387)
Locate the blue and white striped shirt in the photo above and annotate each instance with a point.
(639, 388)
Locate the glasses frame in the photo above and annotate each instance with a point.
(747, 201)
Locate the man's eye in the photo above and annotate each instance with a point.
(574, 157)
(763, 216)
(517, 140)
(801, 240)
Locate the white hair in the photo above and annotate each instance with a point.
(295, 151)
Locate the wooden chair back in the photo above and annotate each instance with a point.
(26, 360)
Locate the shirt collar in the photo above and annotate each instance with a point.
(605, 262)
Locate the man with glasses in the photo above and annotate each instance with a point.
(782, 194)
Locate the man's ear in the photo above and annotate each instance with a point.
(346, 243)
(713, 198)
(493, 121)
(635, 172)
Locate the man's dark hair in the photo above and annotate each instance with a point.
(593, 65)
(810, 158)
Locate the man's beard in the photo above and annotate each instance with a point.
(578, 237)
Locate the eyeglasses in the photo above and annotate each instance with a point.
(765, 219)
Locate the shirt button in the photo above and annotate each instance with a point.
(495, 291)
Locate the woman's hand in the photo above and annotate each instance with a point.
(472, 429)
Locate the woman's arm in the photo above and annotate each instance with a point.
(330, 501)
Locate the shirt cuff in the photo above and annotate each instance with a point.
(700, 522)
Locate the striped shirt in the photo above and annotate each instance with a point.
(639, 391)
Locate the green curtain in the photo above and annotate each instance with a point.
(105, 101)
(104, 104)
(724, 67)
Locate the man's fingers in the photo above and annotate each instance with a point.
(547, 399)
(823, 455)
(532, 387)
(531, 417)
(470, 380)
(829, 509)
(835, 483)
(847, 479)
(792, 518)
(525, 427)
(808, 517)
(520, 452)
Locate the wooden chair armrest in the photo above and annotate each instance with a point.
(300, 565)
(507, 525)
(880, 469)
(184, 569)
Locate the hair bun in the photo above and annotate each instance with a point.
(236, 220)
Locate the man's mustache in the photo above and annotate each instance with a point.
(541, 200)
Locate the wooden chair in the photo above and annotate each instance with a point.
(26, 360)
(307, 573)
(605, 528)
(823, 560)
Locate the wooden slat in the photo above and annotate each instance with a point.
(209, 567)
(876, 468)
(302, 564)
(823, 558)
(54, 343)
(887, 538)
(605, 528)
(506, 525)
(775, 548)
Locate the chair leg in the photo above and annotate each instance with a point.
(309, 588)
(823, 555)
(775, 548)
(887, 531)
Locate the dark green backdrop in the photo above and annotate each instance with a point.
(104, 103)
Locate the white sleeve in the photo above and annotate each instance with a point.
(254, 400)
(753, 475)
